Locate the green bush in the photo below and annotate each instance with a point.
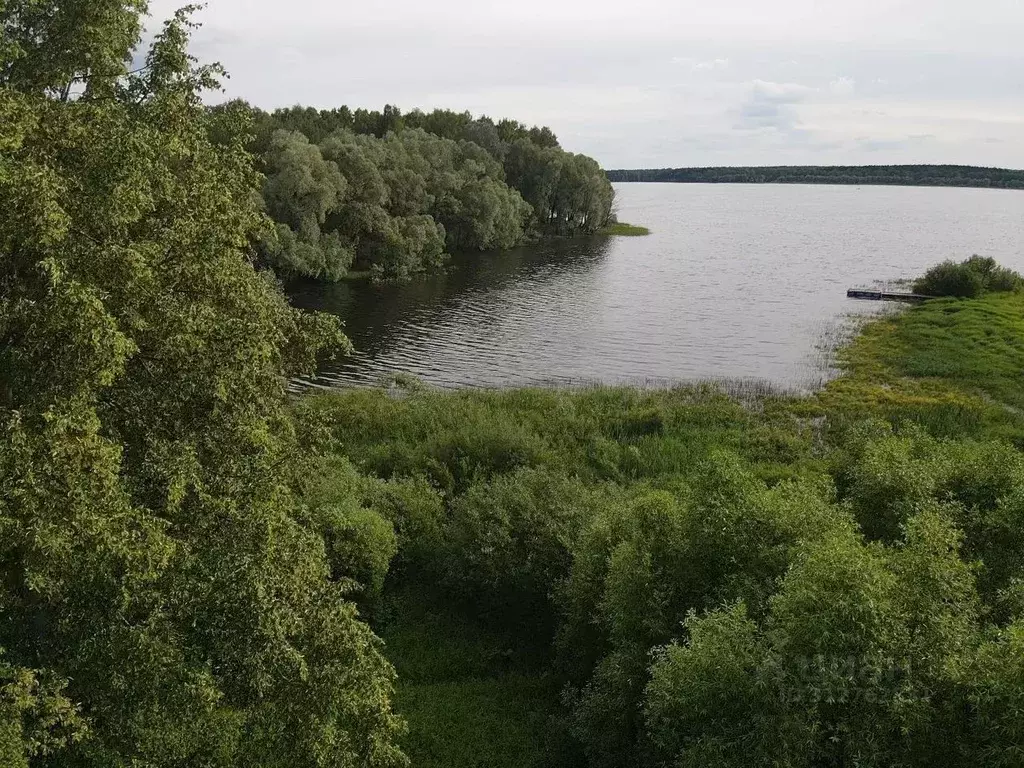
(995, 684)
(646, 563)
(860, 660)
(888, 478)
(360, 541)
(706, 703)
(416, 510)
(968, 279)
(508, 542)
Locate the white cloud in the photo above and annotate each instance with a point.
(843, 86)
(770, 106)
(753, 82)
(711, 64)
(779, 93)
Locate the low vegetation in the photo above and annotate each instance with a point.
(622, 229)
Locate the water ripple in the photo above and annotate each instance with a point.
(738, 283)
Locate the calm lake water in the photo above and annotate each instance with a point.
(737, 282)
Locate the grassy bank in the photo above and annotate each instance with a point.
(952, 366)
(621, 229)
(573, 564)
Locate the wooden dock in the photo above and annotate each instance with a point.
(862, 293)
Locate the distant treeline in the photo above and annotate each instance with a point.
(907, 175)
(392, 193)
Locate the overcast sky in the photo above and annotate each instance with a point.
(656, 83)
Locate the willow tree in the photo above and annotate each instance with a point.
(161, 600)
(302, 188)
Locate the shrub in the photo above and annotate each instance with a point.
(968, 279)
(416, 509)
(705, 704)
(645, 564)
(996, 682)
(360, 545)
(359, 541)
(508, 542)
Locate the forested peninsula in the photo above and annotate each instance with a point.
(899, 175)
(393, 194)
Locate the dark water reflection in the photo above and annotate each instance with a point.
(737, 282)
(467, 325)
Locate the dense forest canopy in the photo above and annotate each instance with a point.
(393, 193)
(906, 175)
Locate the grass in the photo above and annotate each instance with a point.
(976, 346)
(457, 439)
(471, 696)
(954, 366)
(621, 229)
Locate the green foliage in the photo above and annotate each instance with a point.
(416, 510)
(951, 279)
(996, 690)
(49, 47)
(705, 704)
(393, 194)
(507, 542)
(301, 189)
(186, 567)
(642, 569)
(410, 197)
(360, 541)
(621, 229)
(861, 659)
(889, 479)
(153, 553)
(953, 367)
(834, 580)
(471, 695)
(968, 279)
(36, 719)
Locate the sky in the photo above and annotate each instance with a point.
(655, 83)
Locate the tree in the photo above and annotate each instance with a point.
(301, 190)
(708, 704)
(56, 48)
(485, 186)
(153, 553)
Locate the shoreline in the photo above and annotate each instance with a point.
(900, 185)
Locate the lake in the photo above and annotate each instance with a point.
(736, 282)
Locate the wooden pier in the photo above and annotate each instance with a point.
(863, 293)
